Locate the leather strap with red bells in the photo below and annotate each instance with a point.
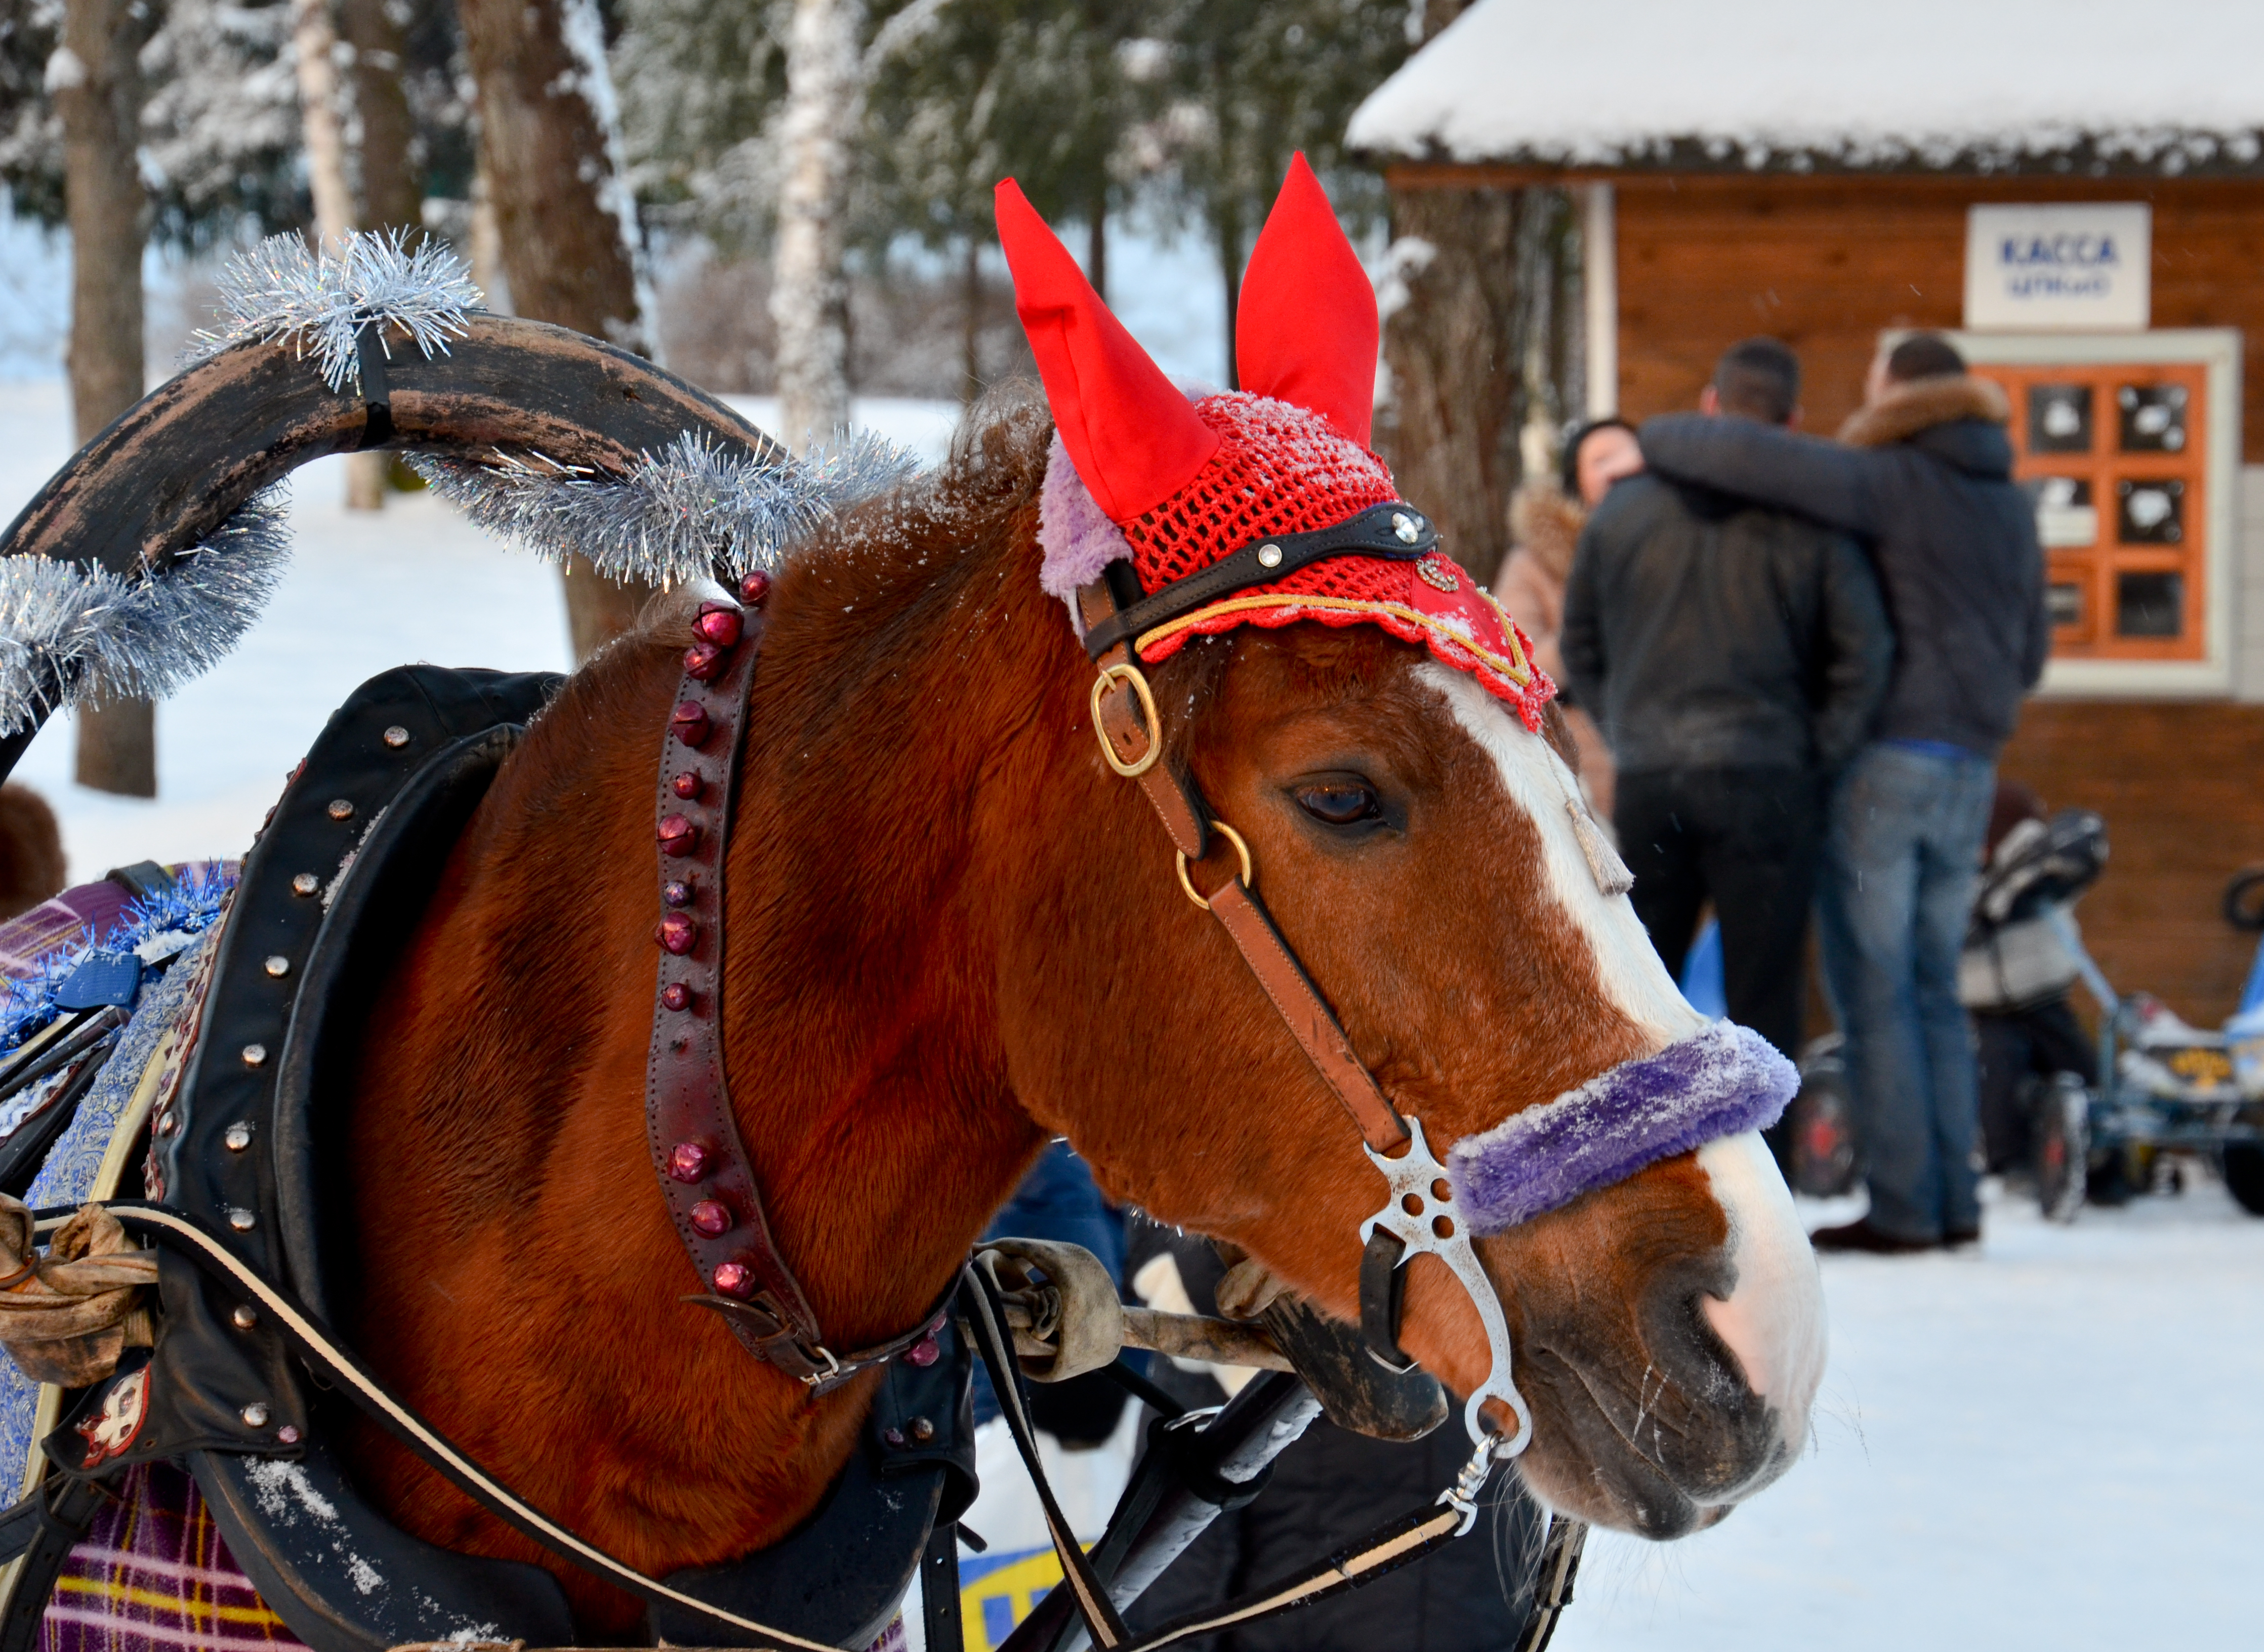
(711, 1189)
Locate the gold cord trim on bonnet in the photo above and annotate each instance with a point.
(1514, 665)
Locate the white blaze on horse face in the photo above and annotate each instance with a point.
(1539, 784)
(1773, 1319)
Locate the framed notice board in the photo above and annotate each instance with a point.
(2129, 444)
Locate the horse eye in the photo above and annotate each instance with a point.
(1339, 803)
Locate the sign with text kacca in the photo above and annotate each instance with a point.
(2058, 269)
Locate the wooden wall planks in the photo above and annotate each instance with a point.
(1824, 264)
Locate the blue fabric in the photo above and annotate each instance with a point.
(1702, 982)
(1058, 1201)
(2251, 995)
(1901, 859)
(1930, 748)
(66, 1180)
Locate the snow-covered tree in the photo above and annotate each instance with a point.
(95, 78)
(383, 129)
(570, 244)
(1044, 92)
(818, 130)
(1253, 83)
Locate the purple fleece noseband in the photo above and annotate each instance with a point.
(1719, 1083)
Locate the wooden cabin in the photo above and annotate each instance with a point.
(2078, 199)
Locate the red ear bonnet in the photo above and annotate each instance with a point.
(1305, 331)
(1277, 476)
(1133, 437)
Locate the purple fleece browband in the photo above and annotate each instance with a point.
(1719, 1083)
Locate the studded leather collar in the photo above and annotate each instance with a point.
(711, 1189)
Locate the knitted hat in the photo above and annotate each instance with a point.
(1262, 506)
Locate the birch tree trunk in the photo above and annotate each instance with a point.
(314, 42)
(563, 210)
(96, 81)
(810, 297)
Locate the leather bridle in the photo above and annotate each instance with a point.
(701, 1165)
(1418, 1216)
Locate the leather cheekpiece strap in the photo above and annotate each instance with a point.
(1237, 908)
(1393, 530)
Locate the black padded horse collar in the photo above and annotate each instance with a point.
(253, 1145)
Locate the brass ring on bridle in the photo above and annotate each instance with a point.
(1248, 877)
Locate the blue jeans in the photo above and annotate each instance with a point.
(1901, 856)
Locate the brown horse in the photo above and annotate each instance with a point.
(953, 932)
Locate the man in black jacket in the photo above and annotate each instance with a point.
(1735, 656)
(1923, 474)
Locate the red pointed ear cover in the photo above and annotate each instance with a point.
(1189, 485)
(1305, 331)
(1132, 435)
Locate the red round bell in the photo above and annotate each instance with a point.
(712, 1216)
(754, 588)
(718, 623)
(679, 933)
(678, 835)
(734, 1278)
(676, 996)
(704, 661)
(690, 724)
(687, 1161)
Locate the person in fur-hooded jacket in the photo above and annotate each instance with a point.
(1922, 475)
(1546, 514)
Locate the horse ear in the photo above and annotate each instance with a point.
(1305, 331)
(1134, 438)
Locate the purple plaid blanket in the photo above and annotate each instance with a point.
(154, 1574)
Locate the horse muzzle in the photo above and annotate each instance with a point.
(1670, 1316)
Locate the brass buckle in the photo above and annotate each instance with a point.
(1248, 877)
(1111, 675)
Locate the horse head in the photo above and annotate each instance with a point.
(1382, 757)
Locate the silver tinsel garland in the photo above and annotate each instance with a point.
(281, 293)
(691, 511)
(138, 638)
(695, 510)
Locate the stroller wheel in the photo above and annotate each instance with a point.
(2063, 1148)
(1819, 1133)
(2244, 899)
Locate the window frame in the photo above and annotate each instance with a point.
(2216, 350)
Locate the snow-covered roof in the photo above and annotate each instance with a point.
(2162, 86)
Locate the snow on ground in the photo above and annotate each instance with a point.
(2052, 1443)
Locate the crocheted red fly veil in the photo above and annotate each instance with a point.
(1277, 475)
